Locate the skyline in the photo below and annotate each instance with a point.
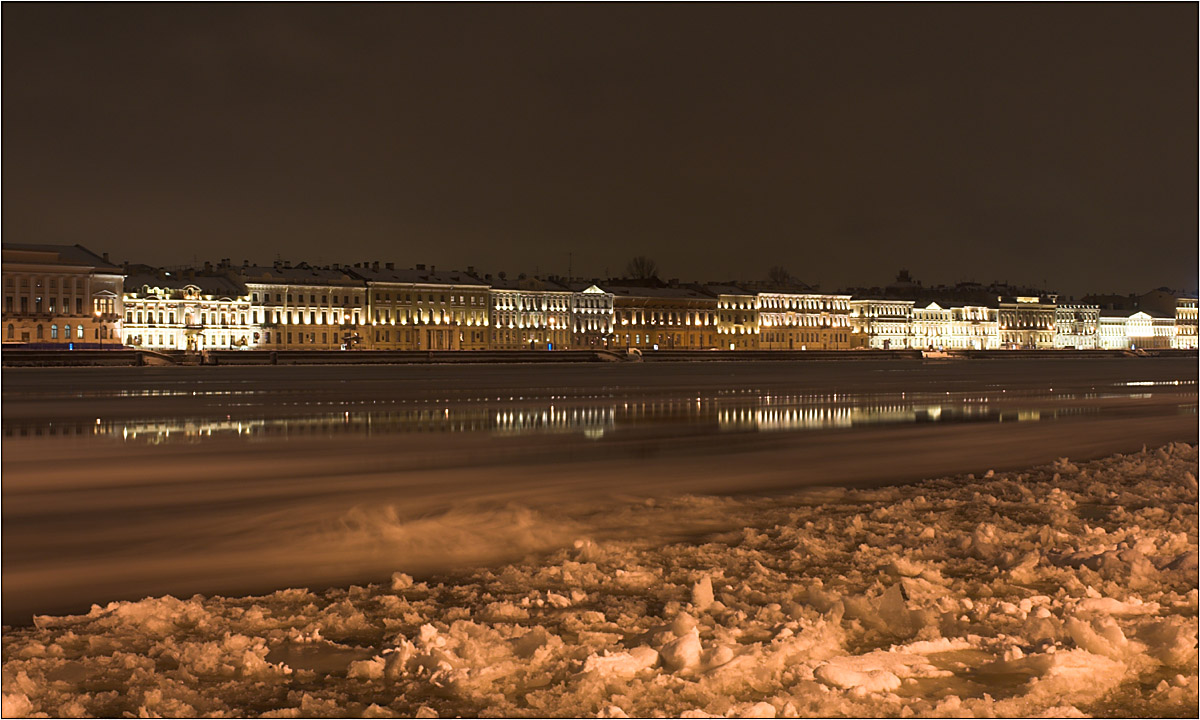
(1043, 145)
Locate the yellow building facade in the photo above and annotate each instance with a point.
(663, 318)
(420, 308)
(803, 321)
(61, 295)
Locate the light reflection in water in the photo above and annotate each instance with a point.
(593, 419)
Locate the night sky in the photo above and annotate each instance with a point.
(1002, 142)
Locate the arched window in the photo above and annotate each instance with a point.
(79, 331)
(11, 331)
(66, 332)
(53, 332)
(40, 332)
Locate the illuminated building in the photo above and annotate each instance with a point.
(1168, 303)
(423, 309)
(60, 296)
(666, 318)
(185, 311)
(529, 314)
(737, 317)
(303, 307)
(1134, 329)
(1027, 322)
(974, 327)
(931, 326)
(880, 324)
(591, 316)
(1076, 326)
(803, 321)
(1185, 323)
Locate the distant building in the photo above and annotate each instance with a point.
(737, 316)
(1182, 306)
(1077, 326)
(591, 316)
(421, 308)
(1185, 323)
(974, 327)
(1134, 329)
(529, 314)
(185, 311)
(302, 307)
(803, 321)
(1027, 322)
(657, 316)
(931, 326)
(881, 323)
(61, 295)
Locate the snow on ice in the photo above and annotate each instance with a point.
(1065, 590)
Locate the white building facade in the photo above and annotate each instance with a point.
(164, 312)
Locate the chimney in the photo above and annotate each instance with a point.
(470, 269)
(105, 257)
(420, 267)
(390, 266)
(487, 277)
(207, 266)
(245, 263)
(375, 265)
(432, 268)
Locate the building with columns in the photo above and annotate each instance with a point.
(1135, 329)
(529, 314)
(1076, 325)
(802, 320)
(974, 327)
(1027, 322)
(185, 311)
(881, 323)
(591, 316)
(61, 296)
(737, 316)
(663, 318)
(420, 308)
(302, 307)
(1185, 323)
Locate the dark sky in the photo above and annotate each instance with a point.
(1015, 142)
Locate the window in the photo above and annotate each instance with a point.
(66, 332)
(12, 330)
(53, 332)
(39, 332)
(79, 331)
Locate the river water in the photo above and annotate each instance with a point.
(124, 482)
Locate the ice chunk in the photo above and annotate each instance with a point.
(682, 653)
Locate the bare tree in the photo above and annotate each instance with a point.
(779, 275)
(642, 268)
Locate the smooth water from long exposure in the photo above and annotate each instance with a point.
(124, 482)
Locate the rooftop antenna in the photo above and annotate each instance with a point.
(569, 259)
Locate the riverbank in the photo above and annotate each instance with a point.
(130, 357)
(1064, 589)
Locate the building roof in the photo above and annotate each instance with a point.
(56, 255)
(1125, 313)
(527, 284)
(415, 276)
(726, 289)
(218, 285)
(674, 293)
(302, 274)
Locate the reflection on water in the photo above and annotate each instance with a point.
(593, 419)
